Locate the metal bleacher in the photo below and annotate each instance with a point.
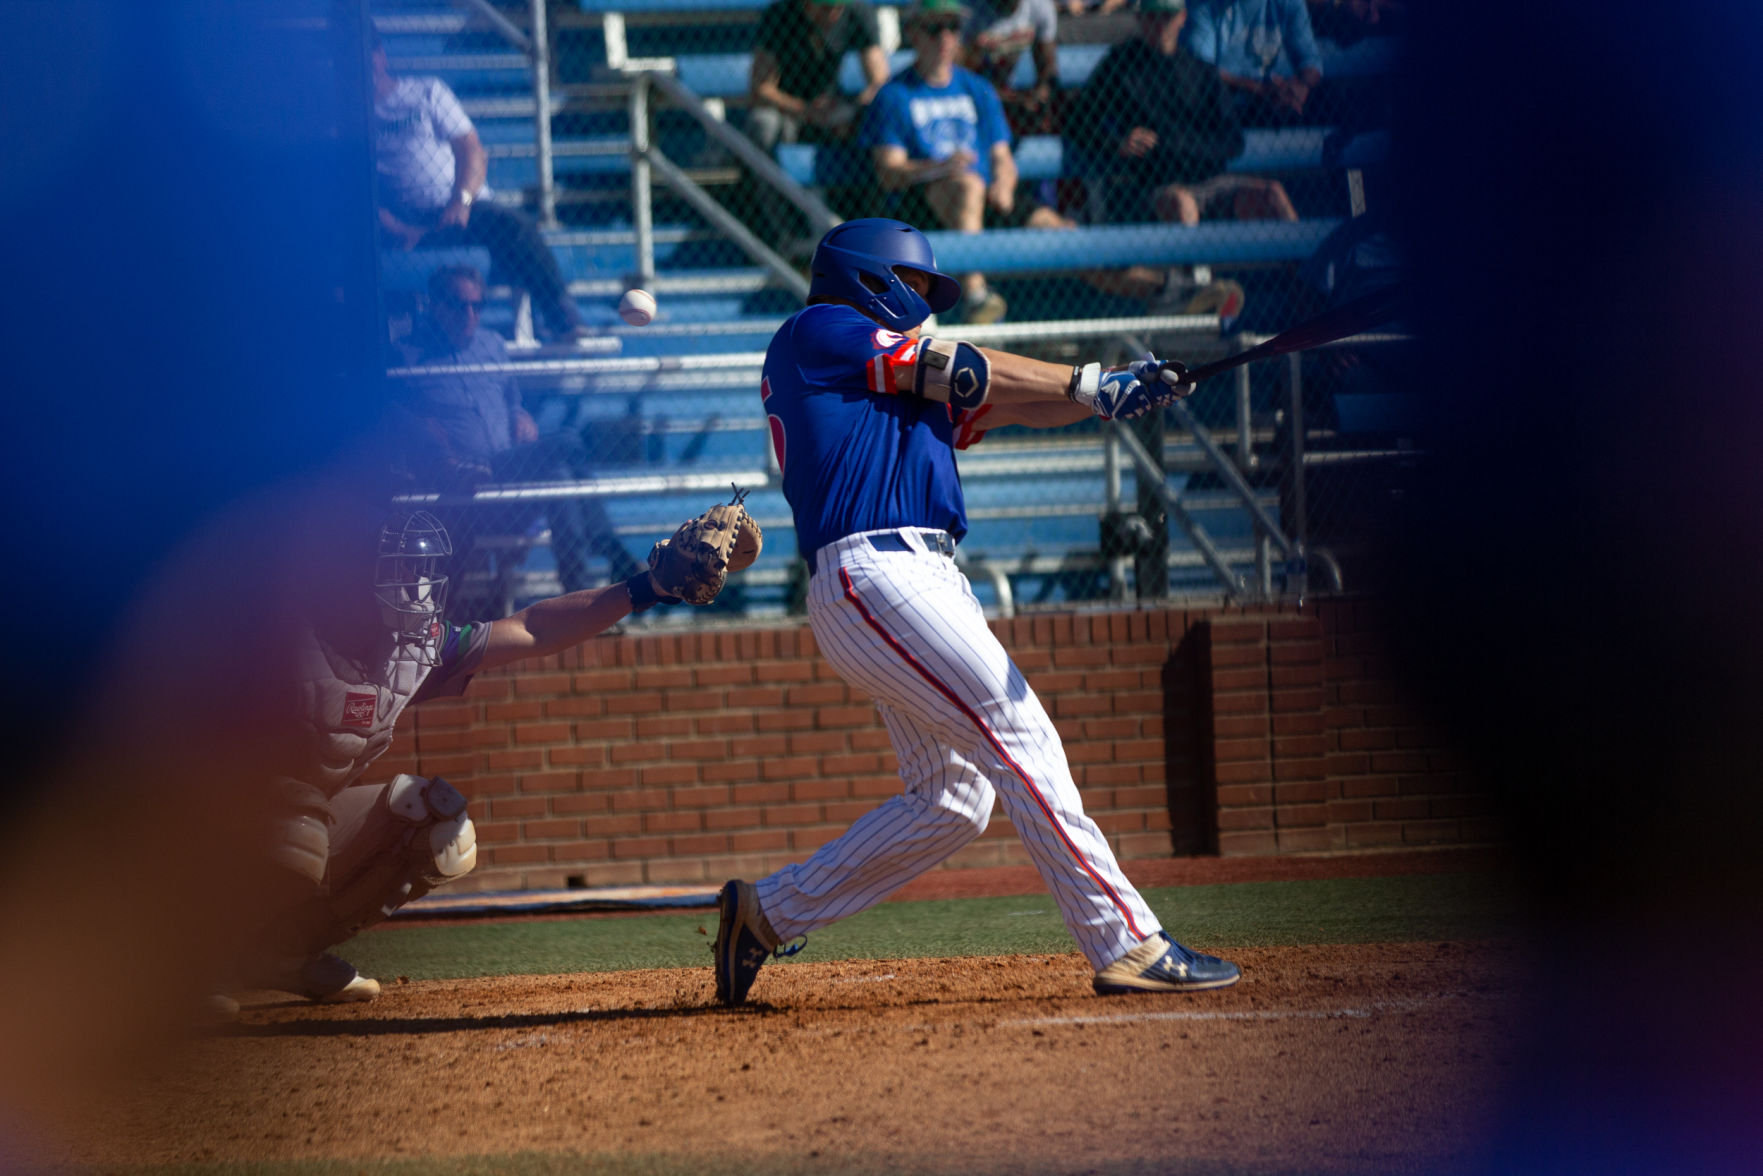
(681, 392)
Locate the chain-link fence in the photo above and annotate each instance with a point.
(1102, 179)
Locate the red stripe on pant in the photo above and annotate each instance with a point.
(942, 688)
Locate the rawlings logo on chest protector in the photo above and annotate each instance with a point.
(358, 710)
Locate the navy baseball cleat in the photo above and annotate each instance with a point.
(744, 940)
(1160, 964)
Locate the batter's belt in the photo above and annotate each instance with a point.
(933, 542)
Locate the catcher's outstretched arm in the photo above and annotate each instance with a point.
(549, 626)
(692, 564)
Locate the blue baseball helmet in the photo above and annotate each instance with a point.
(855, 263)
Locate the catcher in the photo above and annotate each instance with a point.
(344, 855)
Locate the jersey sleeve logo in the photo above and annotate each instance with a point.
(883, 339)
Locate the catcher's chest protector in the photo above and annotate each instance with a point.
(350, 709)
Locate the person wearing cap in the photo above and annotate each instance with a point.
(793, 88)
(1265, 52)
(941, 147)
(1157, 130)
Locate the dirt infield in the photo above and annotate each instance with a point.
(1365, 1058)
(1381, 1058)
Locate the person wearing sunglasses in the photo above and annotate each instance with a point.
(941, 148)
(472, 429)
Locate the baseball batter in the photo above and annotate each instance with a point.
(344, 855)
(866, 413)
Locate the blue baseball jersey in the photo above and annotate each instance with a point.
(856, 456)
(933, 122)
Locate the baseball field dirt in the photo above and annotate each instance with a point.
(1381, 1057)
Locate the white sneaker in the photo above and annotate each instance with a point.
(331, 979)
(325, 978)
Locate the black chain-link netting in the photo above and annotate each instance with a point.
(1103, 179)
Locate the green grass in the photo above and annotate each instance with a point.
(1249, 914)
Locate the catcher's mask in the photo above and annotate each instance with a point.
(408, 582)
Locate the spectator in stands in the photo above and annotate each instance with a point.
(998, 33)
(1264, 51)
(474, 430)
(432, 192)
(794, 84)
(937, 136)
(1156, 128)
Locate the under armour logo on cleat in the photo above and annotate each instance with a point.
(755, 957)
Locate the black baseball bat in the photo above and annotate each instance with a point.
(1345, 320)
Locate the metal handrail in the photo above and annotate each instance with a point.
(1232, 476)
(590, 488)
(537, 50)
(510, 31)
(541, 59)
(706, 206)
(587, 366)
(988, 335)
(1197, 534)
(820, 217)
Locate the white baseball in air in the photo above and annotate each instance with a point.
(637, 307)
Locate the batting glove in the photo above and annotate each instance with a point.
(1125, 393)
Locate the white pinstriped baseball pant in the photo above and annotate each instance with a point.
(905, 627)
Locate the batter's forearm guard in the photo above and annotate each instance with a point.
(953, 372)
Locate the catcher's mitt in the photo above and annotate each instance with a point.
(694, 563)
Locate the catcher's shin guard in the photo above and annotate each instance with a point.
(393, 843)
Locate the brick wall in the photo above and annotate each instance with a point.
(1316, 748)
(702, 756)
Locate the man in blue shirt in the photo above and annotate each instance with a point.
(940, 144)
(1265, 53)
(475, 430)
(866, 414)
